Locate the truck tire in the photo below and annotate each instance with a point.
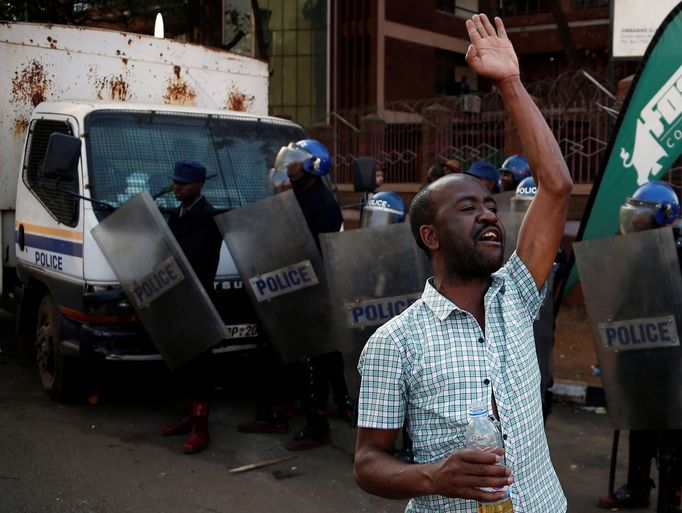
(58, 372)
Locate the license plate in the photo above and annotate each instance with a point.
(241, 331)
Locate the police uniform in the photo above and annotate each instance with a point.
(200, 240)
(198, 236)
(320, 209)
(645, 445)
(322, 215)
(652, 205)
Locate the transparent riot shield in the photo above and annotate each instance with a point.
(374, 274)
(543, 331)
(159, 281)
(282, 270)
(503, 200)
(512, 224)
(633, 294)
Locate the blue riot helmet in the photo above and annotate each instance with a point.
(653, 204)
(525, 192)
(514, 169)
(318, 161)
(527, 187)
(383, 208)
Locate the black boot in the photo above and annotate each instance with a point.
(315, 433)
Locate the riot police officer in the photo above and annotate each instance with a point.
(514, 169)
(653, 205)
(486, 173)
(435, 172)
(543, 326)
(383, 208)
(197, 234)
(303, 165)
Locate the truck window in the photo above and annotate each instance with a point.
(63, 207)
(132, 151)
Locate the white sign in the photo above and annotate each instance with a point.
(283, 281)
(634, 24)
(163, 277)
(639, 333)
(373, 312)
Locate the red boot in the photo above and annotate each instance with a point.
(199, 439)
(182, 426)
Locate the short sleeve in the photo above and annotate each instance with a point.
(381, 404)
(525, 284)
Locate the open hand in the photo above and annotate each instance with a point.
(490, 53)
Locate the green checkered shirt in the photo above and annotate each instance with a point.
(427, 365)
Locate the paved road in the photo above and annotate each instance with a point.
(107, 457)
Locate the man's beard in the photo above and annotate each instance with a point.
(464, 258)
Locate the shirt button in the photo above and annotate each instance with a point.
(504, 436)
(486, 381)
(481, 340)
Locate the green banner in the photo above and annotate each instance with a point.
(647, 138)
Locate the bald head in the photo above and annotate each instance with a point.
(426, 202)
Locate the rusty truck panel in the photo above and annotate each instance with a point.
(50, 62)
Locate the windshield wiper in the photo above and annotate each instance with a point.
(162, 192)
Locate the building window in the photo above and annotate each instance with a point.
(296, 34)
(238, 26)
(452, 75)
(523, 7)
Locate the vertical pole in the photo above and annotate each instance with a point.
(614, 460)
(609, 70)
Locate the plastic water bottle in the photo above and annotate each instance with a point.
(483, 434)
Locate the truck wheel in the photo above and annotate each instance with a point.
(57, 371)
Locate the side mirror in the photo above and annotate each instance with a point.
(364, 174)
(61, 158)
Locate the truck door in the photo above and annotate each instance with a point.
(48, 222)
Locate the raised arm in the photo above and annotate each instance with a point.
(492, 56)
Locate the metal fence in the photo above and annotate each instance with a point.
(408, 137)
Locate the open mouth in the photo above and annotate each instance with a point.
(491, 234)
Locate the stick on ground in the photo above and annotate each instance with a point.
(259, 464)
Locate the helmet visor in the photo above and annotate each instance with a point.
(373, 216)
(636, 218)
(289, 154)
(278, 179)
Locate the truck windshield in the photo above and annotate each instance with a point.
(133, 151)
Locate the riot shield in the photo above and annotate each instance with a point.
(512, 224)
(543, 331)
(374, 274)
(512, 212)
(282, 269)
(503, 200)
(159, 281)
(633, 294)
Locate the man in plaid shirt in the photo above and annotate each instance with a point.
(470, 336)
